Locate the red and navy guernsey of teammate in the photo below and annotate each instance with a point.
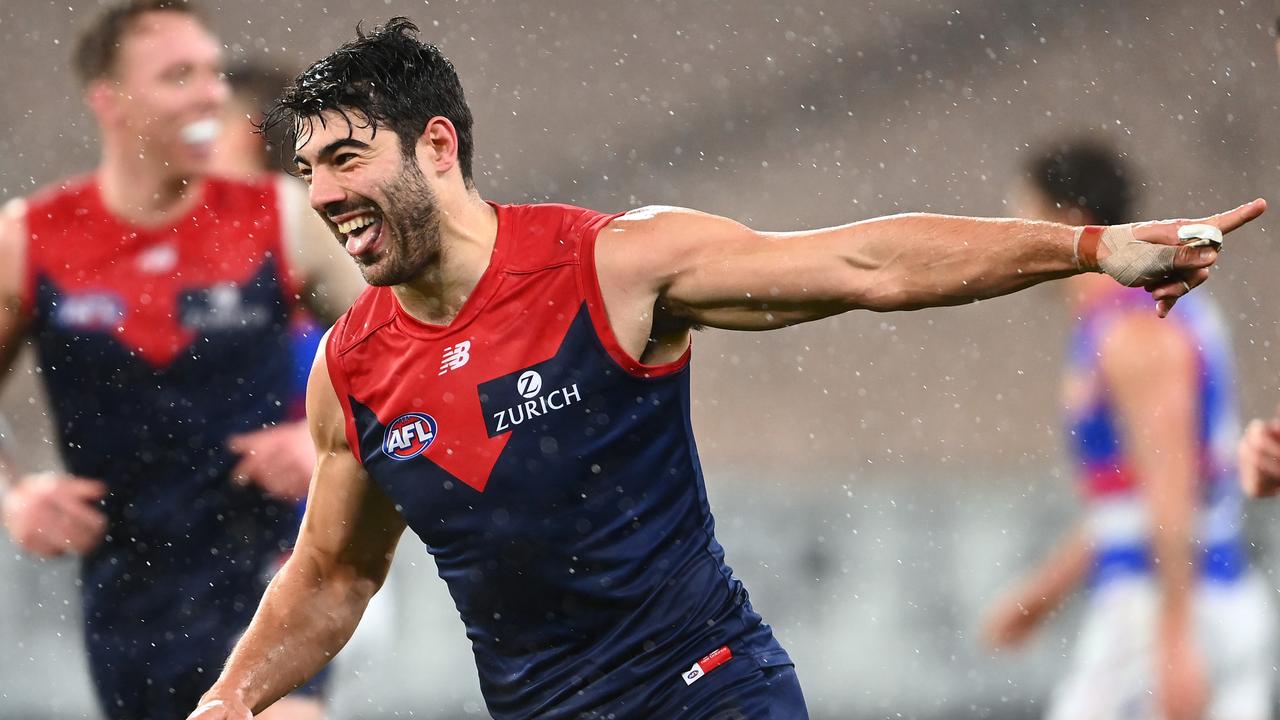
(555, 481)
(181, 331)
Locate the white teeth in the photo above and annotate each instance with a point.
(356, 223)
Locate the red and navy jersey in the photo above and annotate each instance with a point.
(156, 344)
(553, 478)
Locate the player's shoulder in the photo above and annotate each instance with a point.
(667, 226)
(1135, 341)
(373, 309)
(260, 192)
(543, 235)
(69, 193)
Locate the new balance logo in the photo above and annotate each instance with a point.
(455, 357)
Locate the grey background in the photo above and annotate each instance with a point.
(877, 478)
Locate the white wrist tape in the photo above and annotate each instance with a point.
(1130, 261)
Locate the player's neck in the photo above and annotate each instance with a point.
(468, 234)
(136, 190)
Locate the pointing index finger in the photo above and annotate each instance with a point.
(1232, 219)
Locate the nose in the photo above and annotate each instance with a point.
(219, 90)
(213, 89)
(324, 190)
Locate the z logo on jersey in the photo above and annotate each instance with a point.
(409, 435)
(536, 404)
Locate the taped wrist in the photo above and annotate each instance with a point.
(1086, 248)
(1130, 261)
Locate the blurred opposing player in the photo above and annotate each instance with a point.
(1177, 626)
(515, 389)
(157, 299)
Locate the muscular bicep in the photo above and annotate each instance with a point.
(713, 271)
(350, 523)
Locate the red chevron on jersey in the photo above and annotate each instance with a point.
(516, 318)
(156, 290)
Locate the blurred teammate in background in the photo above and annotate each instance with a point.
(158, 298)
(515, 388)
(1177, 625)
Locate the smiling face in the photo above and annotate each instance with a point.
(377, 201)
(166, 91)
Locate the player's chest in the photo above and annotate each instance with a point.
(542, 393)
(160, 295)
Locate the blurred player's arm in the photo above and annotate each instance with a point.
(1021, 610)
(13, 322)
(708, 270)
(13, 248)
(330, 281)
(47, 514)
(1151, 369)
(348, 536)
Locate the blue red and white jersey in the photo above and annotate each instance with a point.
(1117, 512)
(553, 478)
(156, 344)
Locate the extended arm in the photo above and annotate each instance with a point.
(708, 270)
(312, 606)
(1152, 370)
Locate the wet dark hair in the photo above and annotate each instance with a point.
(258, 86)
(98, 45)
(386, 77)
(1086, 174)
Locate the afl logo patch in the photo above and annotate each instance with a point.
(408, 435)
(529, 384)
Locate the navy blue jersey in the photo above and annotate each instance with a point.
(155, 345)
(555, 481)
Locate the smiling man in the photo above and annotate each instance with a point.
(515, 388)
(157, 299)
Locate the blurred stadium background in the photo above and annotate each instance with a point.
(876, 478)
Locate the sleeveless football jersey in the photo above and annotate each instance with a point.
(1117, 513)
(553, 478)
(155, 344)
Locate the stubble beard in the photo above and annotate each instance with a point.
(413, 233)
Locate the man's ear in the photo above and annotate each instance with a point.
(438, 145)
(103, 98)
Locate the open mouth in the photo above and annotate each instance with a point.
(361, 233)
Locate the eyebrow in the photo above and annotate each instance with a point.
(328, 150)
